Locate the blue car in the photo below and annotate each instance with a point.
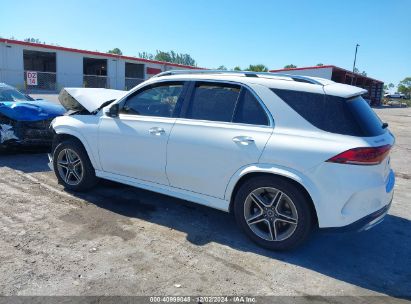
(25, 121)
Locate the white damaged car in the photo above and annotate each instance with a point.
(283, 153)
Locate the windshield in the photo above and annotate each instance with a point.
(10, 94)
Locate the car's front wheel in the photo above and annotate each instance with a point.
(274, 213)
(73, 167)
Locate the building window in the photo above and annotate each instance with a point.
(95, 73)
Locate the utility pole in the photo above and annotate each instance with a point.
(355, 60)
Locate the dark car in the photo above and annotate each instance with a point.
(25, 121)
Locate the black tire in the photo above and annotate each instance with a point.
(88, 177)
(298, 233)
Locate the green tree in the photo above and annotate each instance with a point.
(222, 68)
(171, 57)
(290, 66)
(319, 64)
(388, 87)
(162, 56)
(116, 51)
(257, 68)
(405, 86)
(145, 55)
(174, 57)
(237, 68)
(34, 40)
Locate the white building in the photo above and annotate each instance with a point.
(57, 67)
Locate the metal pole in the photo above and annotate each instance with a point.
(355, 60)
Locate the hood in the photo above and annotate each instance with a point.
(91, 99)
(35, 110)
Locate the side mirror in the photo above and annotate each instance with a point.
(113, 110)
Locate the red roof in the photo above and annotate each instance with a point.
(305, 68)
(61, 48)
(323, 67)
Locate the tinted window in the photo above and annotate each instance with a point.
(334, 114)
(213, 102)
(159, 100)
(366, 118)
(249, 110)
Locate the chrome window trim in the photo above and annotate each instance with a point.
(271, 124)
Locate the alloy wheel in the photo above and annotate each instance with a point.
(270, 214)
(70, 167)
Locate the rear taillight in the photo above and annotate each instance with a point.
(362, 156)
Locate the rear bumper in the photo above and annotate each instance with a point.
(364, 223)
(350, 193)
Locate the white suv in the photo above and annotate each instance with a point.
(284, 153)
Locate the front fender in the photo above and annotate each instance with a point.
(296, 176)
(71, 126)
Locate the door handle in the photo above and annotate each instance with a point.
(156, 131)
(244, 140)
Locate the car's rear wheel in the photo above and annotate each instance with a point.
(274, 213)
(73, 167)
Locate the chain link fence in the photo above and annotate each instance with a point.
(94, 81)
(46, 81)
(131, 82)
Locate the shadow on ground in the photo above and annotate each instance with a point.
(27, 161)
(378, 260)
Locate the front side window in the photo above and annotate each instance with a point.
(158, 100)
(213, 101)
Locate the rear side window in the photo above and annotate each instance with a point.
(334, 114)
(213, 101)
(249, 110)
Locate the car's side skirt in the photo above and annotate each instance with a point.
(198, 198)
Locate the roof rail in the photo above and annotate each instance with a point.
(240, 73)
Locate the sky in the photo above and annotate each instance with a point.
(228, 32)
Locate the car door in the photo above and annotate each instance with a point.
(223, 127)
(134, 143)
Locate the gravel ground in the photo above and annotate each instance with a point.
(117, 240)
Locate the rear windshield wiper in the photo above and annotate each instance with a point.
(384, 125)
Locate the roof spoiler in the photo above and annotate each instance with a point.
(343, 90)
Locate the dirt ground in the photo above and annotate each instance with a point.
(116, 240)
